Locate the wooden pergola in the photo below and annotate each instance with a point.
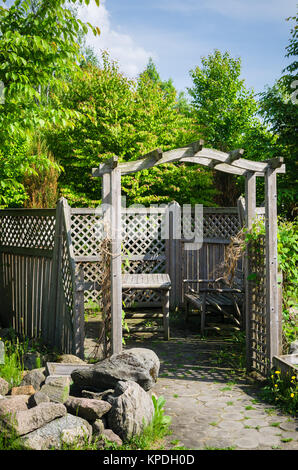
(233, 163)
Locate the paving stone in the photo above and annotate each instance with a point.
(215, 443)
(255, 422)
(232, 416)
(247, 442)
(289, 435)
(206, 402)
(289, 426)
(267, 440)
(230, 425)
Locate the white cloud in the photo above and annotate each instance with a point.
(238, 9)
(132, 58)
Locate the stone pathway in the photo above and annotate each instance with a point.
(212, 406)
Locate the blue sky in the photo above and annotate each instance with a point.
(176, 34)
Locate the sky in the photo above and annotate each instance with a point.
(177, 33)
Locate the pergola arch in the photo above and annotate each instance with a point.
(233, 163)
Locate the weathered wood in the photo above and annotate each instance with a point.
(49, 323)
(250, 208)
(79, 321)
(146, 281)
(32, 252)
(157, 154)
(166, 314)
(116, 281)
(272, 295)
(227, 162)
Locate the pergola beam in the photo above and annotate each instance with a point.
(231, 162)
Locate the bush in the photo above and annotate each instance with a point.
(282, 391)
(287, 250)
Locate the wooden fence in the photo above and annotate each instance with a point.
(50, 267)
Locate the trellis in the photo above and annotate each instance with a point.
(233, 163)
(50, 260)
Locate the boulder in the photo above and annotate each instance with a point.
(35, 377)
(98, 426)
(57, 388)
(97, 395)
(9, 405)
(37, 398)
(22, 390)
(70, 359)
(138, 364)
(87, 408)
(109, 436)
(132, 409)
(4, 386)
(26, 421)
(66, 430)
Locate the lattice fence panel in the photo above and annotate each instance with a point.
(87, 232)
(257, 305)
(215, 225)
(144, 251)
(27, 231)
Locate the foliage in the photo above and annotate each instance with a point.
(38, 51)
(19, 162)
(224, 108)
(42, 186)
(12, 369)
(127, 118)
(287, 248)
(226, 114)
(279, 109)
(282, 390)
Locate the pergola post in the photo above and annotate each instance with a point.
(272, 292)
(111, 198)
(250, 213)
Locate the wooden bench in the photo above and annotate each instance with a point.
(215, 295)
(158, 282)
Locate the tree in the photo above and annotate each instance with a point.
(225, 111)
(126, 118)
(38, 54)
(280, 111)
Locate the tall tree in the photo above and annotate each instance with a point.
(127, 118)
(38, 54)
(224, 109)
(279, 108)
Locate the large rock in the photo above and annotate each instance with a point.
(70, 359)
(35, 377)
(132, 409)
(138, 364)
(57, 388)
(28, 420)
(66, 430)
(22, 390)
(4, 386)
(37, 398)
(87, 408)
(9, 405)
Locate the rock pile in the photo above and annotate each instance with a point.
(110, 400)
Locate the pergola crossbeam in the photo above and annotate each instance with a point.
(231, 162)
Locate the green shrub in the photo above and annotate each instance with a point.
(287, 249)
(282, 390)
